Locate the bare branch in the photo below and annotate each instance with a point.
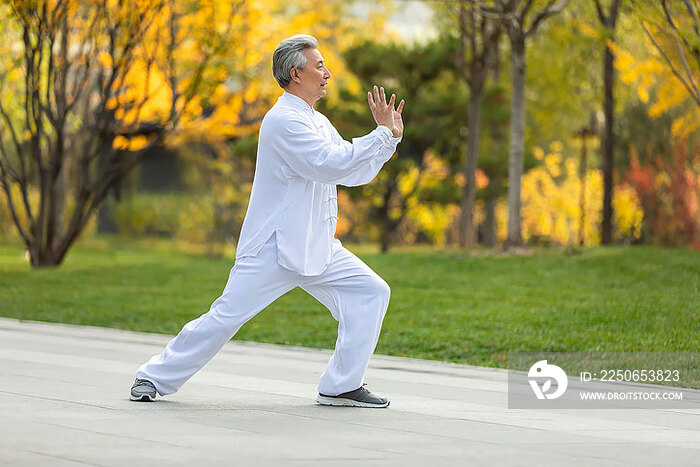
(599, 9)
(80, 86)
(10, 202)
(46, 109)
(11, 129)
(462, 47)
(523, 11)
(667, 14)
(4, 155)
(548, 11)
(694, 14)
(473, 35)
(171, 63)
(110, 175)
(613, 13)
(691, 79)
(677, 32)
(21, 179)
(688, 86)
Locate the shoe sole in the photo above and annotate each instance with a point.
(341, 402)
(142, 398)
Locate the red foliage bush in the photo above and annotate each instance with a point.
(669, 193)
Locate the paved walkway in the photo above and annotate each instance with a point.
(64, 401)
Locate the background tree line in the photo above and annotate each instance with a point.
(527, 121)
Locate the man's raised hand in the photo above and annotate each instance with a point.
(385, 114)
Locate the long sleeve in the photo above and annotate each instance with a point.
(365, 173)
(316, 158)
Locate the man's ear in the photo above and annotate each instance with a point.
(294, 74)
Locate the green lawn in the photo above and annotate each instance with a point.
(445, 305)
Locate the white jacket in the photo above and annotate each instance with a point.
(301, 158)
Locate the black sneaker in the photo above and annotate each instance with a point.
(143, 390)
(361, 397)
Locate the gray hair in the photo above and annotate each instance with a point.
(290, 54)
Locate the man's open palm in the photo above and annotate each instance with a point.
(384, 113)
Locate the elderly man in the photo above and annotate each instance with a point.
(287, 239)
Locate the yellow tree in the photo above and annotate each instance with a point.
(552, 209)
(673, 32)
(88, 87)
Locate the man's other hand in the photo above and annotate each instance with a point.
(385, 114)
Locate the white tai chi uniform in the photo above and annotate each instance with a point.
(287, 241)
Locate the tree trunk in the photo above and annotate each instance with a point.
(45, 257)
(387, 226)
(58, 203)
(583, 169)
(608, 143)
(517, 138)
(468, 228)
(490, 222)
(489, 226)
(384, 241)
(608, 138)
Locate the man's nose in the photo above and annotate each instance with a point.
(328, 74)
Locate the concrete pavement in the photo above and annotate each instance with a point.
(64, 401)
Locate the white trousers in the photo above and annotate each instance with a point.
(355, 295)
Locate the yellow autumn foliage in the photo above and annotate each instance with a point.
(551, 203)
(237, 37)
(431, 218)
(651, 76)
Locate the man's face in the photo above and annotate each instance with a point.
(315, 76)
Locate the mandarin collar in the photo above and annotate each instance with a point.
(296, 102)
